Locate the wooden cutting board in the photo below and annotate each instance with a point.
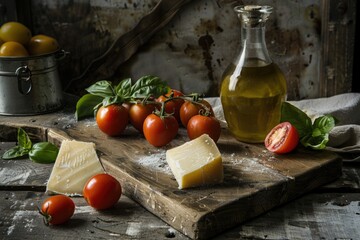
(255, 180)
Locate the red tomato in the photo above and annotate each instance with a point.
(138, 112)
(172, 106)
(57, 209)
(198, 125)
(283, 138)
(160, 131)
(190, 109)
(112, 119)
(102, 191)
(127, 105)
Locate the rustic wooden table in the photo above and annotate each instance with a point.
(329, 212)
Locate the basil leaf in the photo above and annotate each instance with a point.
(85, 106)
(43, 152)
(101, 88)
(15, 152)
(299, 119)
(23, 139)
(314, 135)
(324, 123)
(104, 93)
(319, 136)
(123, 89)
(148, 85)
(23, 147)
(111, 100)
(315, 142)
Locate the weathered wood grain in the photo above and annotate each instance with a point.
(22, 173)
(314, 216)
(19, 219)
(255, 180)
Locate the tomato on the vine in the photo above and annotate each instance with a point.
(112, 119)
(172, 106)
(127, 105)
(283, 138)
(190, 109)
(102, 191)
(138, 113)
(199, 124)
(159, 131)
(57, 209)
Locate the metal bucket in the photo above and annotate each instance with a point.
(30, 85)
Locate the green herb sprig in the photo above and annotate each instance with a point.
(41, 152)
(104, 93)
(314, 135)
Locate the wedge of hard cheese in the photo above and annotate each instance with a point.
(196, 163)
(75, 164)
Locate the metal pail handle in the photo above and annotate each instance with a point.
(23, 75)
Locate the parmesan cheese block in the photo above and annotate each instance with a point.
(75, 164)
(196, 163)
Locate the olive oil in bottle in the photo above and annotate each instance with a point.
(253, 87)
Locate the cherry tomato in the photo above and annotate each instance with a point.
(57, 209)
(283, 138)
(112, 119)
(160, 131)
(127, 105)
(172, 106)
(138, 113)
(102, 191)
(199, 124)
(190, 109)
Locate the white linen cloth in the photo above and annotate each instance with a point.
(344, 138)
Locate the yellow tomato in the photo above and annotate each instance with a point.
(41, 44)
(14, 31)
(11, 49)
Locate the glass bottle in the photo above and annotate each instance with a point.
(253, 87)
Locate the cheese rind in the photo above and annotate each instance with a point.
(196, 163)
(75, 164)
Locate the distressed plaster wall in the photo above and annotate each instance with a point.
(193, 50)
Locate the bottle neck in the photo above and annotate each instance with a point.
(254, 45)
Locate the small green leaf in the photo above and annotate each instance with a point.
(23, 139)
(324, 123)
(319, 137)
(15, 152)
(149, 85)
(316, 132)
(85, 106)
(300, 120)
(43, 152)
(123, 89)
(111, 100)
(101, 88)
(315, 142)
(23, 147)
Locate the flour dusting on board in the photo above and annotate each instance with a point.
(155, 161)
(26, 218)
(13, 175)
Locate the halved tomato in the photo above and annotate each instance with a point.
(283, 138)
